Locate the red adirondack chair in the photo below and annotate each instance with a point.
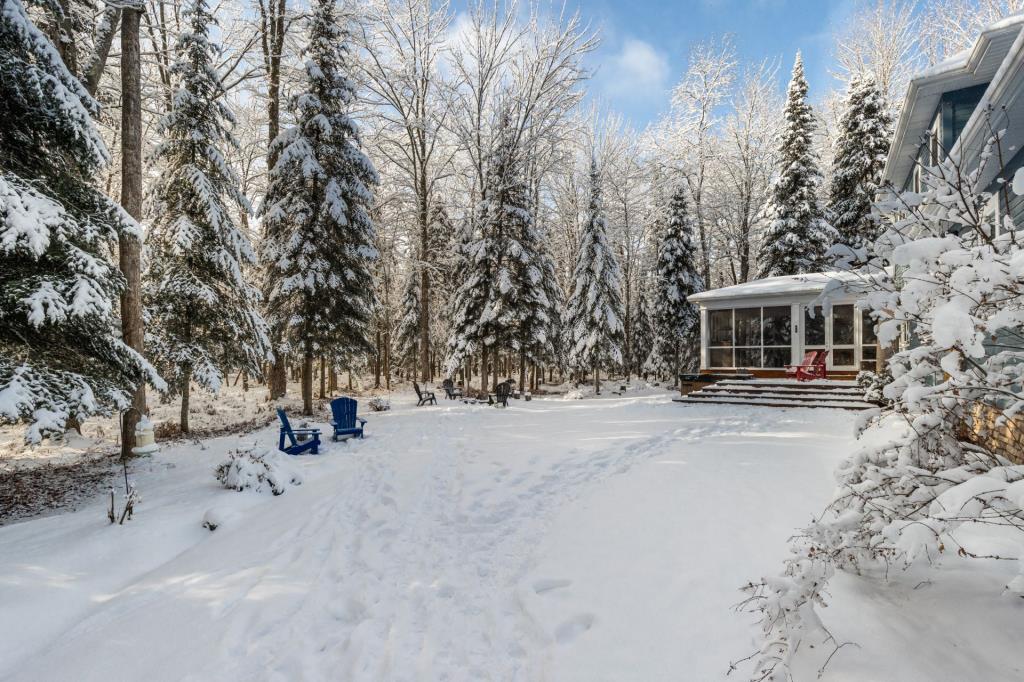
(814, 366)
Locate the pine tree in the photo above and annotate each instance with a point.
(677, 325)
(797, 236)
(508, 230)
(203, 315)
(490, 305)
(541, 325)
(641, 328)
(594, 330)
(407, 338)
(59, 357)
(469, 299)
(861, 149)
(319, 237)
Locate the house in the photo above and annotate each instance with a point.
(951, 108)
(954, 107)
(764, 325)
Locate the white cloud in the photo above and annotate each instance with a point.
(636, 70)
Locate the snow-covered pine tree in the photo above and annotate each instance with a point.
(443, 259)
(469, 299)
(797, 236)
(642, 330)
(518, 302)
(407, 337)
(594, 313)
(677, 327)
(861, 149)
(59, 356)
(489, 305)
(319, 237)
(202, 313)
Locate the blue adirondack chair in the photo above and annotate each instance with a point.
(344, 411)
(295, 447)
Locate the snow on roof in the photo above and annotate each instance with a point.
(976, 65)
(811, 283)
(960, 60)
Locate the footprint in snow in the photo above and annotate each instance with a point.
(549, 584)
(350, 611)
(573, 628)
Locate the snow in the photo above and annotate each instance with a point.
(1018, 181)
(811, 283)
(565, 540)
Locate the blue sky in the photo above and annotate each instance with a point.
(645, 43)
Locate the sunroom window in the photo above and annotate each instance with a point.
(752, 338)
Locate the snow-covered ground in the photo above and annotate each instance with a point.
(596, 539)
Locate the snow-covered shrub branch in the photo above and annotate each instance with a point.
(945, 286)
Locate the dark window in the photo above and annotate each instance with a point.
(777, 327)
(748, 357)
(721, 357)
(842, 357)
(720, 329)
(842, 326)
(814, 327)
(868, 336)
(956, 108)
(776, 357)
(748, 327)
(869, 358)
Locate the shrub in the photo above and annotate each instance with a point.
(246, 470)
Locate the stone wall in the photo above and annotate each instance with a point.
(1005, 437)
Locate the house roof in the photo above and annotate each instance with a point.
(790, 285)
(975, 66)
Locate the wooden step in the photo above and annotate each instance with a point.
(835, 405)
(799, 397)
(790, 383)
(783, 390)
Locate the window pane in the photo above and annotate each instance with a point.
(868, 336)
(776, 357)
(748, 357)
(842, 357)
(814, 328)
(842, 326)
(748, 327)
(720, 322)
(721, 357)
(777, 327)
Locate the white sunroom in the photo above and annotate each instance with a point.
(764, 325)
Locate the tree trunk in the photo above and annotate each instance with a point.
(129, 247)
(483, 369)
(376, 364)
(273, 40)
(424, 317)
(277, 379)
(186, 389)
(323, 377)
(307, 382)
(522, 371)
(597, 380)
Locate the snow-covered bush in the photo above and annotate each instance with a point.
(874, 385)
(943, 277)
(378, 404)
(575, 394)
(247, 470)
